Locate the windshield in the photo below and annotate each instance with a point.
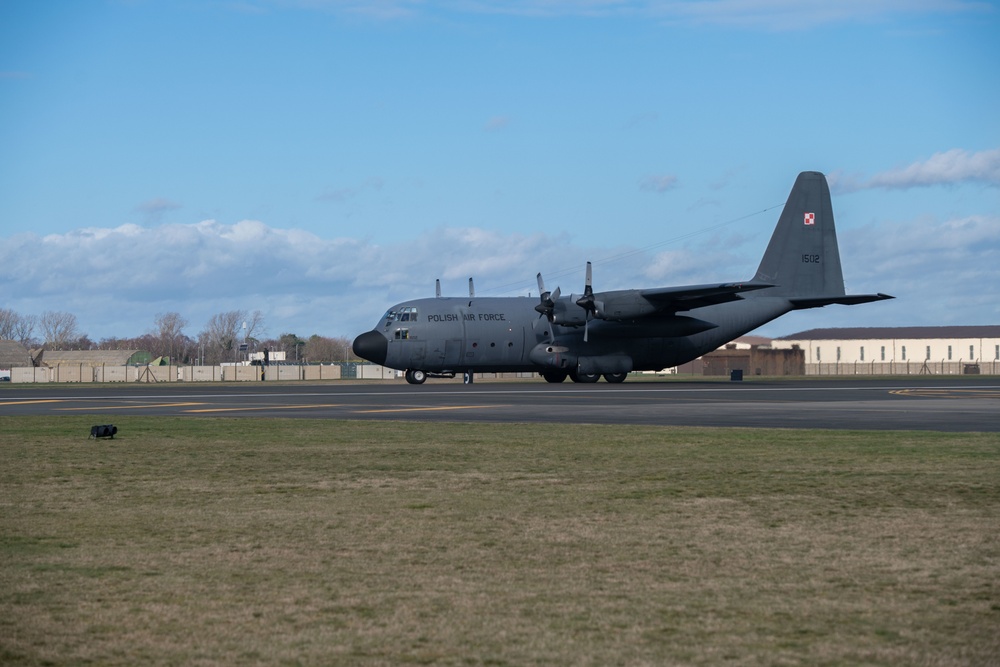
(405, 314)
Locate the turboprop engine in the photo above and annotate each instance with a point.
(578, 310)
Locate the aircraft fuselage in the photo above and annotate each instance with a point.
(496, 334)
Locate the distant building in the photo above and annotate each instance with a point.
(947, 350)
(754, 359)
(13, 355)
(751, 354)
(94, 358)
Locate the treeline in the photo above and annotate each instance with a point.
(220, 341)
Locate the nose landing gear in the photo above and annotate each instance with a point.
(415, 376)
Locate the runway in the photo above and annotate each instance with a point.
(952, 404)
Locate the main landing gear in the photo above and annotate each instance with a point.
(584, 378)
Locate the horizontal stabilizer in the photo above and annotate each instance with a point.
(801, 303)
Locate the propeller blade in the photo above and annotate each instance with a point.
(547, 300)
(587, 301)
(437, 287)
(472, 289)
(542, 293)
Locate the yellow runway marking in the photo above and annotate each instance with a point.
(131, 407)
(447, 407)
(268, 407)
(40, 400)
(948, 393)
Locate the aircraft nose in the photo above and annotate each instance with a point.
(372, 346)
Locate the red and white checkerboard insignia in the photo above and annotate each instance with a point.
(810, 219)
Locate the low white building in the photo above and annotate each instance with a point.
(949, 350)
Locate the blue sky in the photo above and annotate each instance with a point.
(322, 160)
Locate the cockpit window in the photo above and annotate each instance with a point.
(401, 334)
(405, 314)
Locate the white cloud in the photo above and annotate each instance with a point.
(798, 15)
(120, 277)
(350, 192)
(750, 14)
(658, 183)
(953, 167)
(157, 206)
(941, 271)
(115, 280)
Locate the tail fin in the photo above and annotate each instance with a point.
(802, 261)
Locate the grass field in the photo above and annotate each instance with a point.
(242, 541)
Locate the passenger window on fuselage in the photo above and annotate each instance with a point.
(401, 334)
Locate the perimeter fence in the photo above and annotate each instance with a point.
(87, 373)
(941, 367)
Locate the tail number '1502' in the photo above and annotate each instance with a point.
(810, 259)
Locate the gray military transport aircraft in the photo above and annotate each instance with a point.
(586, 336)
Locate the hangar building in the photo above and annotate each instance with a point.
(947, 350)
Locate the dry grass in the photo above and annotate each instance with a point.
(210, 542)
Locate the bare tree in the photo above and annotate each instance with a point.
(7, 319)
(225, 331)
(24, 330)
(219, 335)
(14, 326)
(322, 348)
(59, 329)
(82, 343)
(170, 329)
(255, 329)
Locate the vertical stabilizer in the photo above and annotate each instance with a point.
(802, 259)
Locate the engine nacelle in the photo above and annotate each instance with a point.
(629, 305)
(549, 355)
(566, 313)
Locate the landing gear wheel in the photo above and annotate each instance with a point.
(415, 376)
(554, 377)
(615, 378)
(585, 378)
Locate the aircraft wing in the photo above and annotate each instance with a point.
(697, 296)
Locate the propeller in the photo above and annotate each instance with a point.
(547, 299)
(587, 301)
(472, 289)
